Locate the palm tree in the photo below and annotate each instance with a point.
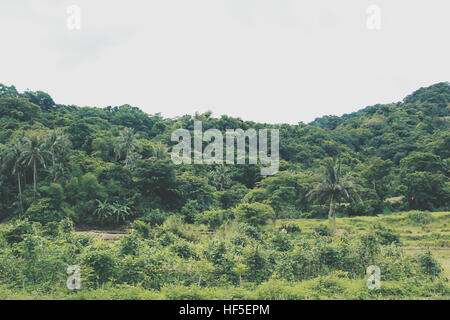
(33, 154)
(105, 211)
(58, 144)
(159, 151)
(127, 143)
(220, 177)
(11, 159)
(334, 185)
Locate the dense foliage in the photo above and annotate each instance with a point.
(111, 166)
(64, 166)
(181, 261)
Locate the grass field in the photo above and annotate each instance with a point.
(415, 235)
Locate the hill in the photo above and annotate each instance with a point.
(394, 150)
(95, 190)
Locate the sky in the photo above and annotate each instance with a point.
(272, 61)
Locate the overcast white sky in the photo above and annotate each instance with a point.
(264, 60)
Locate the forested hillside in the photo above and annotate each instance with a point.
(109, 166)
(71, 175)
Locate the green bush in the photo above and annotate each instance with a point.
(129, 245)
(420, 217)
(280, 241)
(184, 250)
(155, 216)
(385, 235)
(18, 231)
(44, 211)
(322, 230)
(102, 263)
(290, 228)
(141, 228)
(429, 265)
(214, 218)
(256, 214)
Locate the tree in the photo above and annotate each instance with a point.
(194, 187)
(159, 151)
(422, 161)
(286, 192)
(58, 144)
(34, 153)
(18, 108)
(40, 98)
(155, 180)
(256, 214)
(126, 144)
(6, 91)
(333, 185)
(11, 159)
(220, 177)
(377, 173)
(426, 190)
(112, 212)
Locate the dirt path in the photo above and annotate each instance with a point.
(104, 234)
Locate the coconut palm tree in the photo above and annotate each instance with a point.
(58, 144)
(159, 151)
(126, 144)
(333, 185)
(11, 160)
(34, 153)
(220, 177)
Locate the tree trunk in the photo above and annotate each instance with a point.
(34, 177)
(332, 216)
(20, 191)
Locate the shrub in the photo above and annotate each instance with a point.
(322, 230)
(102, 264)
(215, 218)
(155, 216)
(327, 286)
(249, 231)
(66, 225)
(129, 245)
(183, 250)
(291, 228)
(141, 228)
(256, 214)
(18, 231)
(360, 208)
(44, 211)
(52, 229)
(276, 290)
(428, 264)
(385, 235)
(280, 241)
(420, 217)
(317, 212)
